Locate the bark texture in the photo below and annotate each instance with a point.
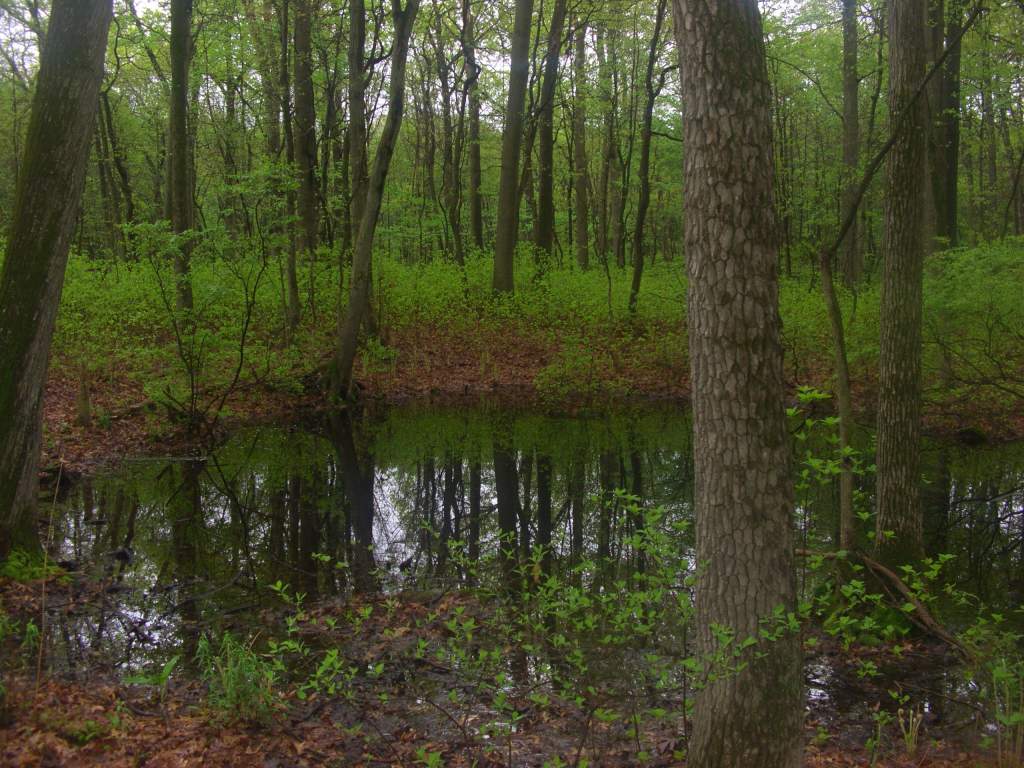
(898, 531)
(42, 224)
(743, 491)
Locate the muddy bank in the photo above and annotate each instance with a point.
(447, 370)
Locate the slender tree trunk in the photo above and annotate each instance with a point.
(844, 402)
(360, 284)
(579, 149)
(546, 148)
(476, 215)
(108, 196)
(751, 718)
(852, 261)
(293, 306)
(947, 202)
(358, 80)
(644, 200)
(898, 531)
(42, 224)
(474, 515)
(270, 80)
(507, 234)
(506, 486)
(305, 139)
(120, 164)
(453, 140)
(544, 511)
(180, 192)
(607, 147)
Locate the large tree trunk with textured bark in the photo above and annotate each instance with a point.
(743, 497)
(506, 235)
(898, 532)
(42, 224)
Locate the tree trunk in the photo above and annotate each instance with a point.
(474, 516)
(506, 487)
(544, 511)
(507, 234)
(898, 532)
(576, 482)
(358, 475)
(476, 215)
(42, 224)
(947, 201)
(579, 149)
(744, 495)
(108, 194)
(608, 152)
(852, 262)
(120, 164)
(644, 199)
(357, 83)
(293, 305)
(546, 148)
(180, 192)
(360, 284)
(453, 139)
(305, 139)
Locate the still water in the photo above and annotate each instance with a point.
(417, 501)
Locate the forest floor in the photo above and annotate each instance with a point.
(447, 368)
(83, 717)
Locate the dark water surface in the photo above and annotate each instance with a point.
(415, 500)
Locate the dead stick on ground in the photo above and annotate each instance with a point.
(923, 615)
(920, 610)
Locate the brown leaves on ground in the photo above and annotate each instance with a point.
(97, 721)
(452, 366)
(67, 724)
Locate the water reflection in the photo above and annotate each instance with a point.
(428, 500)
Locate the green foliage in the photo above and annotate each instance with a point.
(973, 320)
(82, 732)
(997, 669)
(118, 320)
(240, 683)
(24, 566)
(159, 679)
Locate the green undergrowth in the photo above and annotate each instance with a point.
(116, 320)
